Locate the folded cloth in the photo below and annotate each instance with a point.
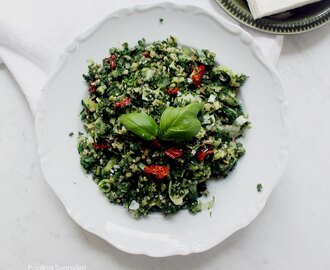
(34, 33)
(262, 8)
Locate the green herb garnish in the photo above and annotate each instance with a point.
(176, 124)
(140, 124)
(259, 187)
(180, 124)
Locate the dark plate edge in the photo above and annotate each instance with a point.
(272, 28)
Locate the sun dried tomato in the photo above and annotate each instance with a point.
(121, 104)
(146, 54)
(201, 154)
(159, 171)
(172, 91)
(113, 61)
(91, 88)
(156, 143)
(197, 74)
(101, 146)
(173, 152)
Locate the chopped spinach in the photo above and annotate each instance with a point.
(148, 162)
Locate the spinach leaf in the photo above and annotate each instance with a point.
(180, 124)
(140, 124)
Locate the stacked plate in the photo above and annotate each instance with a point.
(293, 21)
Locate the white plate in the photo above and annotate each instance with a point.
(237, 200)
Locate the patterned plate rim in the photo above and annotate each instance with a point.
(267, 26)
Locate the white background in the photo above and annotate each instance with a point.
(292, 232)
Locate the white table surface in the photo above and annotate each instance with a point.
(292, 232)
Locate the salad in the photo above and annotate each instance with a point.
(160, 120)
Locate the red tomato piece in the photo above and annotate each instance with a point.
(173, 152)
(121, 104)
(101, 146)
(197, 74)
(156, 143)
(91, 88)
(159, 171)
(172, 91)
(201, 154)
(113, 61)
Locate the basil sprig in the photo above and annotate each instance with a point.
(140, 124)
(176, 124)
(180, 124)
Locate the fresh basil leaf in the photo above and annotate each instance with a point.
(140, 124)
(180, 124)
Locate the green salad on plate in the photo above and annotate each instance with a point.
(160, 120)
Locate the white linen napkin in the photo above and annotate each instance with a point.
(34, 33)
(262, 8)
